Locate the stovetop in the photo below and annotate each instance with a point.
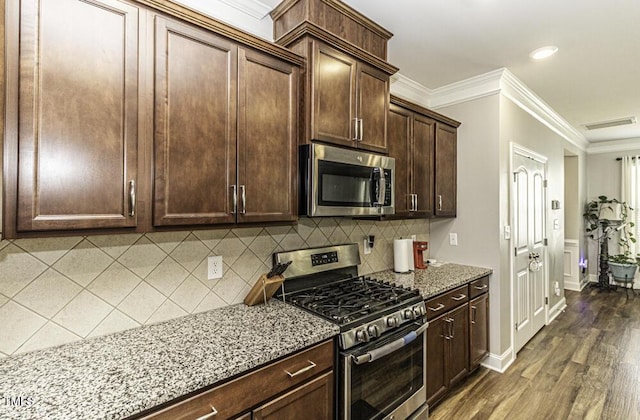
(353, 300)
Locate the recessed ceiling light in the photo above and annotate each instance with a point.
(543, 52)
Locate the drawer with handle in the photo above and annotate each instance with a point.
(237, 396)
(438, 305)
(478, 287)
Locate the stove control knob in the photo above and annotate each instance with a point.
(409, 314)
(392, 321)
(362, 336)
(419, 311)
(373, 331)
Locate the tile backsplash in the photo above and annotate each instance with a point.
(58, 290)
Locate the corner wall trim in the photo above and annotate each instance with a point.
(557, 310)
(499, 363)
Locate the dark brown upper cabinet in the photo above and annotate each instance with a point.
(347, 80)
(225, 131)
(423, 143)
(133, 115)
(78, 116)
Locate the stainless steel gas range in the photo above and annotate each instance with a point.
(382, 344)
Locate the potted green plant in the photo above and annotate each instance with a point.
(623, 266)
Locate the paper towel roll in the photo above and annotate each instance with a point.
(402, 255)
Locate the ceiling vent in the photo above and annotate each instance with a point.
(611, 123)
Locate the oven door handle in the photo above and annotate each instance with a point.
(389, 348)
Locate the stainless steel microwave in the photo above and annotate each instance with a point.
(345, 182)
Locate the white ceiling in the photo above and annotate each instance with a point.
(594, 76)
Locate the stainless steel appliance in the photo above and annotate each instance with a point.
(345, 182)
(382, 342)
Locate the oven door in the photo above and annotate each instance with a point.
(385, 378)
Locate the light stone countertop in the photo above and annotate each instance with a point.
(117, 375)
(434, 280)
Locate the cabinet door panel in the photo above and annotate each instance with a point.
(479, 326)
(77, 117)
(458, 360)
(422, 168)
(399, 148)
(195, 125)
(313, 400)
(445, 182)
(373, 103)
(333, 96)
(267, 143)
(436, 354)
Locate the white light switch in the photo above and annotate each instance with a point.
(556, 224)
(507, 232)
(453, 239)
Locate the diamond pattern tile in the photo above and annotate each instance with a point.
(18, 325)
(83, 313)
(189, 294)
(114, 284)
(142, 257)
(49, 335)
(49, 293)
(83, 263)
(43, 303)
(17, 269)
(142, 302)
(190, 253)
(48, 250)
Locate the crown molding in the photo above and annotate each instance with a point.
(253, 8)
(500, 81)
(613, 146)
(521, 95)
(405, 88)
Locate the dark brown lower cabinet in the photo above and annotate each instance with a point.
(447, 352)
(479, 330)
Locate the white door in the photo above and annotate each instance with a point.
(529, 233)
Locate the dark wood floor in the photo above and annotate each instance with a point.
(584, 365)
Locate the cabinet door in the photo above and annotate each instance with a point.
(422, 164)
(437, 337)
(267, 139)
(313, 400)
(458, 354)
(479, 329)
(373, 108)
(400, 148)
(333, 96)
(195, 125)
(78, 114)
(445, 162)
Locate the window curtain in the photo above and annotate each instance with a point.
(630, 183)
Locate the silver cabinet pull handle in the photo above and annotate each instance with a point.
(439, 202)
(243, 193)
(132, 198)
(484, 286)
(212, 414)
(415, 202)
(361, 129)
(234, 188)
(437, 308)
(451, 328)
(301, 371)
(410, 202)
(458, 298)
(474, 309)
(355, 130)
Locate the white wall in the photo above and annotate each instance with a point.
(572, 205)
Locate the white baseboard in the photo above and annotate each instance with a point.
(594, 279)
(499, 363)
(557, 310)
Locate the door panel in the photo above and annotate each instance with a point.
(195, 125)
(333, 96)
(373, 103)
(529, 278)
(445, 171)
(436, 355)
(267, 143)
(77, 117)
(423, 161)
(399, 149)
(459, 345)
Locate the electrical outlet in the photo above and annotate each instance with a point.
(367, 248)
(214, 267)
(453, 239)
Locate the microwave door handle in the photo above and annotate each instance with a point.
(382, 186)
(378, 186)
(389, 348)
